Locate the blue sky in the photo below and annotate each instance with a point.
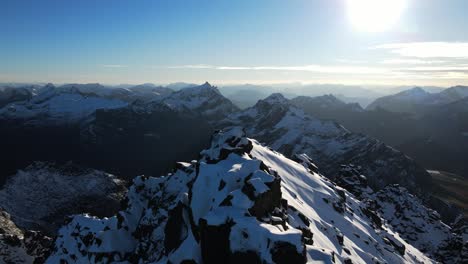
(242, 41)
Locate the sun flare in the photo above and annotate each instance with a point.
(375, 15)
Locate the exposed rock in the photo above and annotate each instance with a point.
(18, 247)
(269, 210)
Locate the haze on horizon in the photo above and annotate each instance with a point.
(385, 42)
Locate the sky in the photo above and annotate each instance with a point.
(386, 42)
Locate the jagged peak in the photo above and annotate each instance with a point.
(49, 85)
(252, 205)
(205, 88)
(275, 98)
(223, 142)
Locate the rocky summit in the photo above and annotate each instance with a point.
(240, 202)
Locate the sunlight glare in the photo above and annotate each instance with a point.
(375, 15)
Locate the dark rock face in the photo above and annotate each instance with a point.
(238, 203)
(306, 162)
(250, 257)
(350, 178)
(214, 242)
(267, 201)
(142, 139)
(283, 253)
(418, 225)
(175, 231)
(17, 246)
(186, 212)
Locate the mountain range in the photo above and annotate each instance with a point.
(207, 210)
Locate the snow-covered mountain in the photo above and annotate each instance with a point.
(326, 103)
(42, 195)
(417, 99)
(289, 130)
(326, 106)
(455, 93)
(75, 103)
(204, 99)
(13, 94)
(241, 202)
(64, 105)
(418, 225)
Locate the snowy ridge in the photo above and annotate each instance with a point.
(418, 225)
(326, 102)
(204, 99)
(63, 105)
(290, 131)
(74, 103)
(413, 99)
(241, 202)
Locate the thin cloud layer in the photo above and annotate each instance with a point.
(428, 49)
(305, 68)
(114, 66)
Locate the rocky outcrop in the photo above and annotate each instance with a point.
(417, 224)
(17, 246)
(290, 131)
(204, 100)
(240, 202)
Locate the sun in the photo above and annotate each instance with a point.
(375, 15)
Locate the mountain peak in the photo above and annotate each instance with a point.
(206, 84)
(49, 85)
(275, 98)
(415, 91)
(247, 203)
(204, 88)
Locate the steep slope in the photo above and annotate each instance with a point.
(455, 93)
(325, 106)
(418, 225)
(289, 130)
(241, 202)
(143, 138)
(14, 94)
(42, 195)
(204, 100)
(19, 247)
(126, 132)
(405, 101)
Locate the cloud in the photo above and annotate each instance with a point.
(305, 68)
(456, 68)
(428, 49)
(410, 61)
(114, 66)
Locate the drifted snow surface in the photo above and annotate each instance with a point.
(241, 202)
